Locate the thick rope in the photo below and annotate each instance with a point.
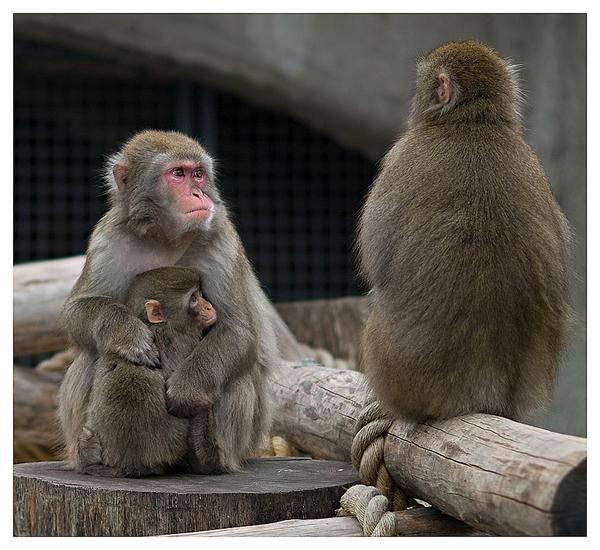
(373, 502)
(367, 453)
(371, 509)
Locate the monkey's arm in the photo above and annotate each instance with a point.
(102, 324)
(222, 355)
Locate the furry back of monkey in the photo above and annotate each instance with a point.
(465, 250)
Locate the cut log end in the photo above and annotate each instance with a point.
(266, 490)
(569, 509)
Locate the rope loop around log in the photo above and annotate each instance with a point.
(371, 509)
(367, 453)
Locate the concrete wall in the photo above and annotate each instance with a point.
(351, 76)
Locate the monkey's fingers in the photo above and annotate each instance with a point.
(145, 355)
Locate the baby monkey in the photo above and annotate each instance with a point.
(128, 431)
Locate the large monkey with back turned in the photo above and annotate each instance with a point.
(165, 210)
(465, 250)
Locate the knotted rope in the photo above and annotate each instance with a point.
(372, 505)
(370, 509)
(367, 453)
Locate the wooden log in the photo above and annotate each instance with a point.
(325, 527)
(528, 481)
(494, 474)
(39, 290)
(416, 522)
(36, 434)
(52, 501)
(335, 325)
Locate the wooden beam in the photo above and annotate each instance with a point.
(416, 522)
(494, 474)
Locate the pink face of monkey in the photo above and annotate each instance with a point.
(186, 181)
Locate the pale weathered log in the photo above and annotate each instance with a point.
(416, 522)
(39, 290)
(335, 325)
(36, 434)
(325, 527)
(50, 500)
(496, 475)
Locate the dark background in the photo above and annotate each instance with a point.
(294, 193)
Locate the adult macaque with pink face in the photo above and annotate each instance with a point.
(187, 180)
(165, 210)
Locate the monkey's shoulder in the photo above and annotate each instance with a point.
(478, 163)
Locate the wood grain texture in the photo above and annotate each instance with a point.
(39, 290)
(429, 522)
(335, 325)
(492, 473)
(417, 522)
(36, 433)
(326, 527)
(53, 501)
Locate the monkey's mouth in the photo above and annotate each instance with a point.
(202, 212)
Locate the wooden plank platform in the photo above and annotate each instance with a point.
(50, 500)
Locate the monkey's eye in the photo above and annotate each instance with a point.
(194, 299)
(198, 172)
(177, 172)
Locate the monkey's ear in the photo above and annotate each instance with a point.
(444, 89)
(154, 312)
(120, 174)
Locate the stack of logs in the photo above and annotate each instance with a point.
(490, 474)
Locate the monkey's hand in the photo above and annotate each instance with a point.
(186, 396)
(129, 338)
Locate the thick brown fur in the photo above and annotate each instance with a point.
(465, 250)
(143, 230)
(129, 431)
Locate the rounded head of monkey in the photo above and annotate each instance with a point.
(163, 183)
(171, 297)
(464, 80)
